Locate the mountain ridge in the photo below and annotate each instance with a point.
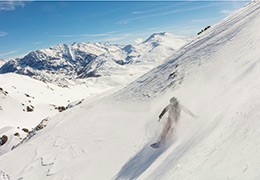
(63, 62)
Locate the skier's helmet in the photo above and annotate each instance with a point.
(173, 100)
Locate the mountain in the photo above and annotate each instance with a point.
(63, 63)
(215, 76)
(2, 62)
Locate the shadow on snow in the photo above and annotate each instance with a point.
(137, 165)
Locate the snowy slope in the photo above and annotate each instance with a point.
(215, 76)
(25, 102)
(19, 92)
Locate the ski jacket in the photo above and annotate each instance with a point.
(174, 110)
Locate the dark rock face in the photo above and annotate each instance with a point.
(10, 66)
(29, 108)
(38, 61)
(25, 130)
(3, 140)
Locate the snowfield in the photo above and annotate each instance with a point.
(20, 92)
(216, 76)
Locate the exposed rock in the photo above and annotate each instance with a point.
(25, 130)
(3, 140)
(60, 108)
(29, 108)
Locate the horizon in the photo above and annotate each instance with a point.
(31, 25)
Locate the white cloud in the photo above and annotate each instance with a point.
(37, 43)
(165, 12)
(163, 8)
(78, 35)
(137, 12)
(2, 33)
(226, 11)
(198, 20)
(10, 5)
(8, 53)
(86, 35)
(114, 38)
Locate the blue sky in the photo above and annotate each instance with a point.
(27, 26)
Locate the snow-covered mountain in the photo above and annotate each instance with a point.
(63, 63)
(109, 137)
(2, 62)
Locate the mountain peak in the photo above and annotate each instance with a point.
(82, 60)
(155, 36)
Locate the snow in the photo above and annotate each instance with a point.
(2, 62)
(18, 92)
(65, 65)
(24, 91)
(109, 136)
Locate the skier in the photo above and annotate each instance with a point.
(174, 109)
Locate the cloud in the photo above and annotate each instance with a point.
(113, 39)
(10, 5)
(198, 20)
(204, 20)
(165, 12)
(79, 35)
(37, 43)
(163, 8)
(2, 33)
(8, 53)
(87, 35)
(137, 12)
(113, 36)
(126, 21)
(226, 11)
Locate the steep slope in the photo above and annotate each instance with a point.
(63, 63)
(215, 76)
(205, 49)
(25, 102)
